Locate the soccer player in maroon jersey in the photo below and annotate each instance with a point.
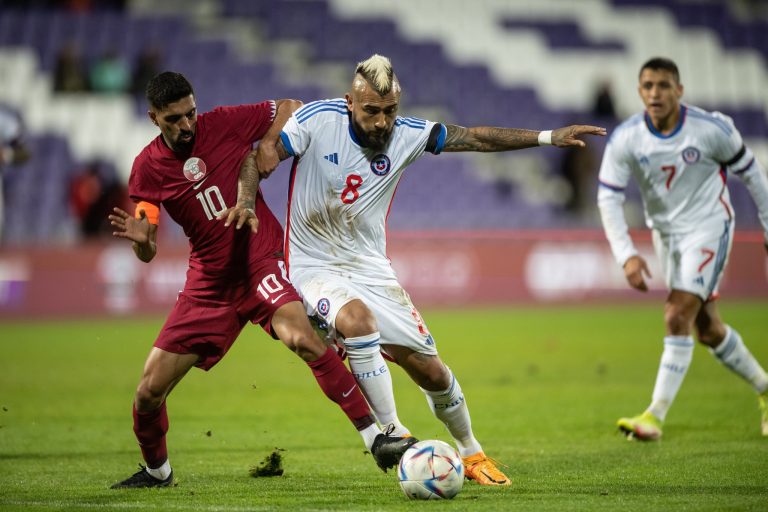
(234, 276)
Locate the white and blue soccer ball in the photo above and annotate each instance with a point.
(431, 470)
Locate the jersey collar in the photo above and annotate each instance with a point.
(678, 127)
(352, 131)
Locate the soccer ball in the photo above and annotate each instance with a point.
(431, 470)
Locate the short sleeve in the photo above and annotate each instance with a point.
(297, 132)
(727, 145)
(249, 122)
(295, 137)
(143, 184)
(436, 140)
(419, 135)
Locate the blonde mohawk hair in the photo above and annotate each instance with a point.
(377, 70)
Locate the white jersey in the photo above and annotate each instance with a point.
(681, 175)
(340, 192)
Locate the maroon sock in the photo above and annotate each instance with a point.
(340, 386)
(150, 428)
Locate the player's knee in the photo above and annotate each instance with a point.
(437, 379)
(148, 397)
(677, 320)
(355, 319)
(305, 344)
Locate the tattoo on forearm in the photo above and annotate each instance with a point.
(248, 184)
(485, 138)
(456, 139)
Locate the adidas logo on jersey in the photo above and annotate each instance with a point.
(333, 158)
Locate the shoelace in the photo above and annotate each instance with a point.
(493, 461)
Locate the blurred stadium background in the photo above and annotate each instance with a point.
(464, 229)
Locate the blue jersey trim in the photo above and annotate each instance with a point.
(287, 143)
(410, 124)
(611, 187)
(324, 109)
(441, 140)
(315, 105)
(413, 122)
(352, 134)
(746, 167)
(678, 127)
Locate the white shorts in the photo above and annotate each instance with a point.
(695, 262)
(398, 320)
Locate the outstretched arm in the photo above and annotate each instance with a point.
(140, 231)
(486, 138)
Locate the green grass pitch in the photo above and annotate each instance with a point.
(544, 385)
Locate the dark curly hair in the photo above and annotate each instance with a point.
(166, 88)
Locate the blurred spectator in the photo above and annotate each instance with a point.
(146, 68)
(603, 107)
(12, 148)
(69, 71)
(93, 193)
(110, 74)
(578, 168)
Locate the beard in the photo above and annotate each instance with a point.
(376, 140)
(184, 146)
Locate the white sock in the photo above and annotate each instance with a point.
(450, 407)
(369, 433)
(375, 381)
(675, 360)
(735, 355)
(162, 472)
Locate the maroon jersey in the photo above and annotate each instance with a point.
(195, 188)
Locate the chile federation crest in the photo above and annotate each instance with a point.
(380, 165)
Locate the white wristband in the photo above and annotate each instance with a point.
(545, 138)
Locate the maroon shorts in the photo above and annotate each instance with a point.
(208, 327)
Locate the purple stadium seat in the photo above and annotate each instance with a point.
(561, 35)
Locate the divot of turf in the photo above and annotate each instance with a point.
(272, 465)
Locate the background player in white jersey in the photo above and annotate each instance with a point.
(680, 156)
(350, 156)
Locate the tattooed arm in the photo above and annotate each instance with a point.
(486, 138)
(259, 164)
(247, 188)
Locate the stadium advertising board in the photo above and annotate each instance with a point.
(448, 269)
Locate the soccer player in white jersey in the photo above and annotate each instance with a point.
(350, 155)
(680, 156)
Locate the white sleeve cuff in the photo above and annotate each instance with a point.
(611, 205)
